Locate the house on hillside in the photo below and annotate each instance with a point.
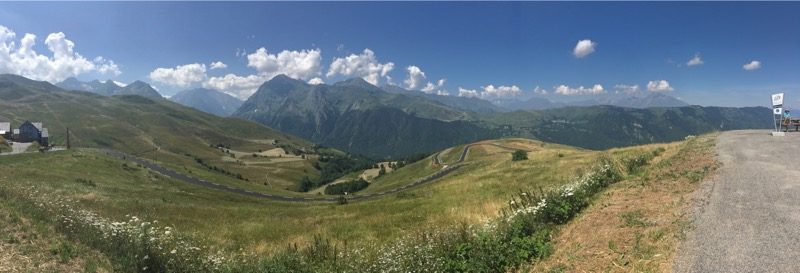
(28, 132)
(5, 130)
(32, 132)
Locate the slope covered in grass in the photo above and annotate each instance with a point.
(161, 130)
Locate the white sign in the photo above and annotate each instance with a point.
(777, 111)
(777, 99)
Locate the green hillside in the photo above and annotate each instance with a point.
(256, 232)
(603, 127)
(359, 117)
(177, 136)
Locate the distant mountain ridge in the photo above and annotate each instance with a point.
(649, 100)
(462, 103)
(346, 115)
(209, 101)
(110, 88)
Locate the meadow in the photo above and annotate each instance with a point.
(474, 195)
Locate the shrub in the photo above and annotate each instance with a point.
(519, 155)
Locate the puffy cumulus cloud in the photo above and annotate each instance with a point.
(583, 48)
(695, 61)
(238, 86)
(364, 65)
(501, 92)
(469, 93)
(218, 65)
(316, 81)
(539, 91)
(23, 60)
(304, 64)
(180, 76)
(659, 86)
(566, 90)
(415, 77)
(491, 92)
(435, 88)
(752, 65)
(626, 89)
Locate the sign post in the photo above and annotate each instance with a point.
(777, 113)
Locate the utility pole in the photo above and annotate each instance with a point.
(68, 144)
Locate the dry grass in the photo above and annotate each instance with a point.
(26, 246)
(636, 225)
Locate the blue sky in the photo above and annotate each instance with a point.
(514, 47)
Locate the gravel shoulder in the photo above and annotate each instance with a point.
(751, 220)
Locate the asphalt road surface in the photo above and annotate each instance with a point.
(751, 222)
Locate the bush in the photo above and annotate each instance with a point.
(347, 187)
(304, 185)
(519, 155)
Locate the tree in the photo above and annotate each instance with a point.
(519, 155)
(305, 184)
(382, 171)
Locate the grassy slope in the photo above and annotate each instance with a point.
(637, 224)
(137, 125)
(469, 195)
(27, 245)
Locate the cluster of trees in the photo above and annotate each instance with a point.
(332, 167)
(347, 187)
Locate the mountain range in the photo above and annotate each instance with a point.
(209, 101)
(649, 100)
(391, 122)
(111, 88)
(359, 117)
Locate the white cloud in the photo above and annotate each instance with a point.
(752, 65)
(501, 91)
(218, 65)
(566, 90)
(415, 77)
(491, 92)
(583, 48)
(659, 86)
(364, 65)
(435, 88)
(180, 76)
(695, 61)
(627, 89)
(64, 62)
(539, 91)
(238, 86)
(304, 64)
(316, 81)
(470, 93)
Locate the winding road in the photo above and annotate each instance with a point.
(751, 221)
(355, 197)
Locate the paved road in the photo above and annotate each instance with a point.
(751, 222)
